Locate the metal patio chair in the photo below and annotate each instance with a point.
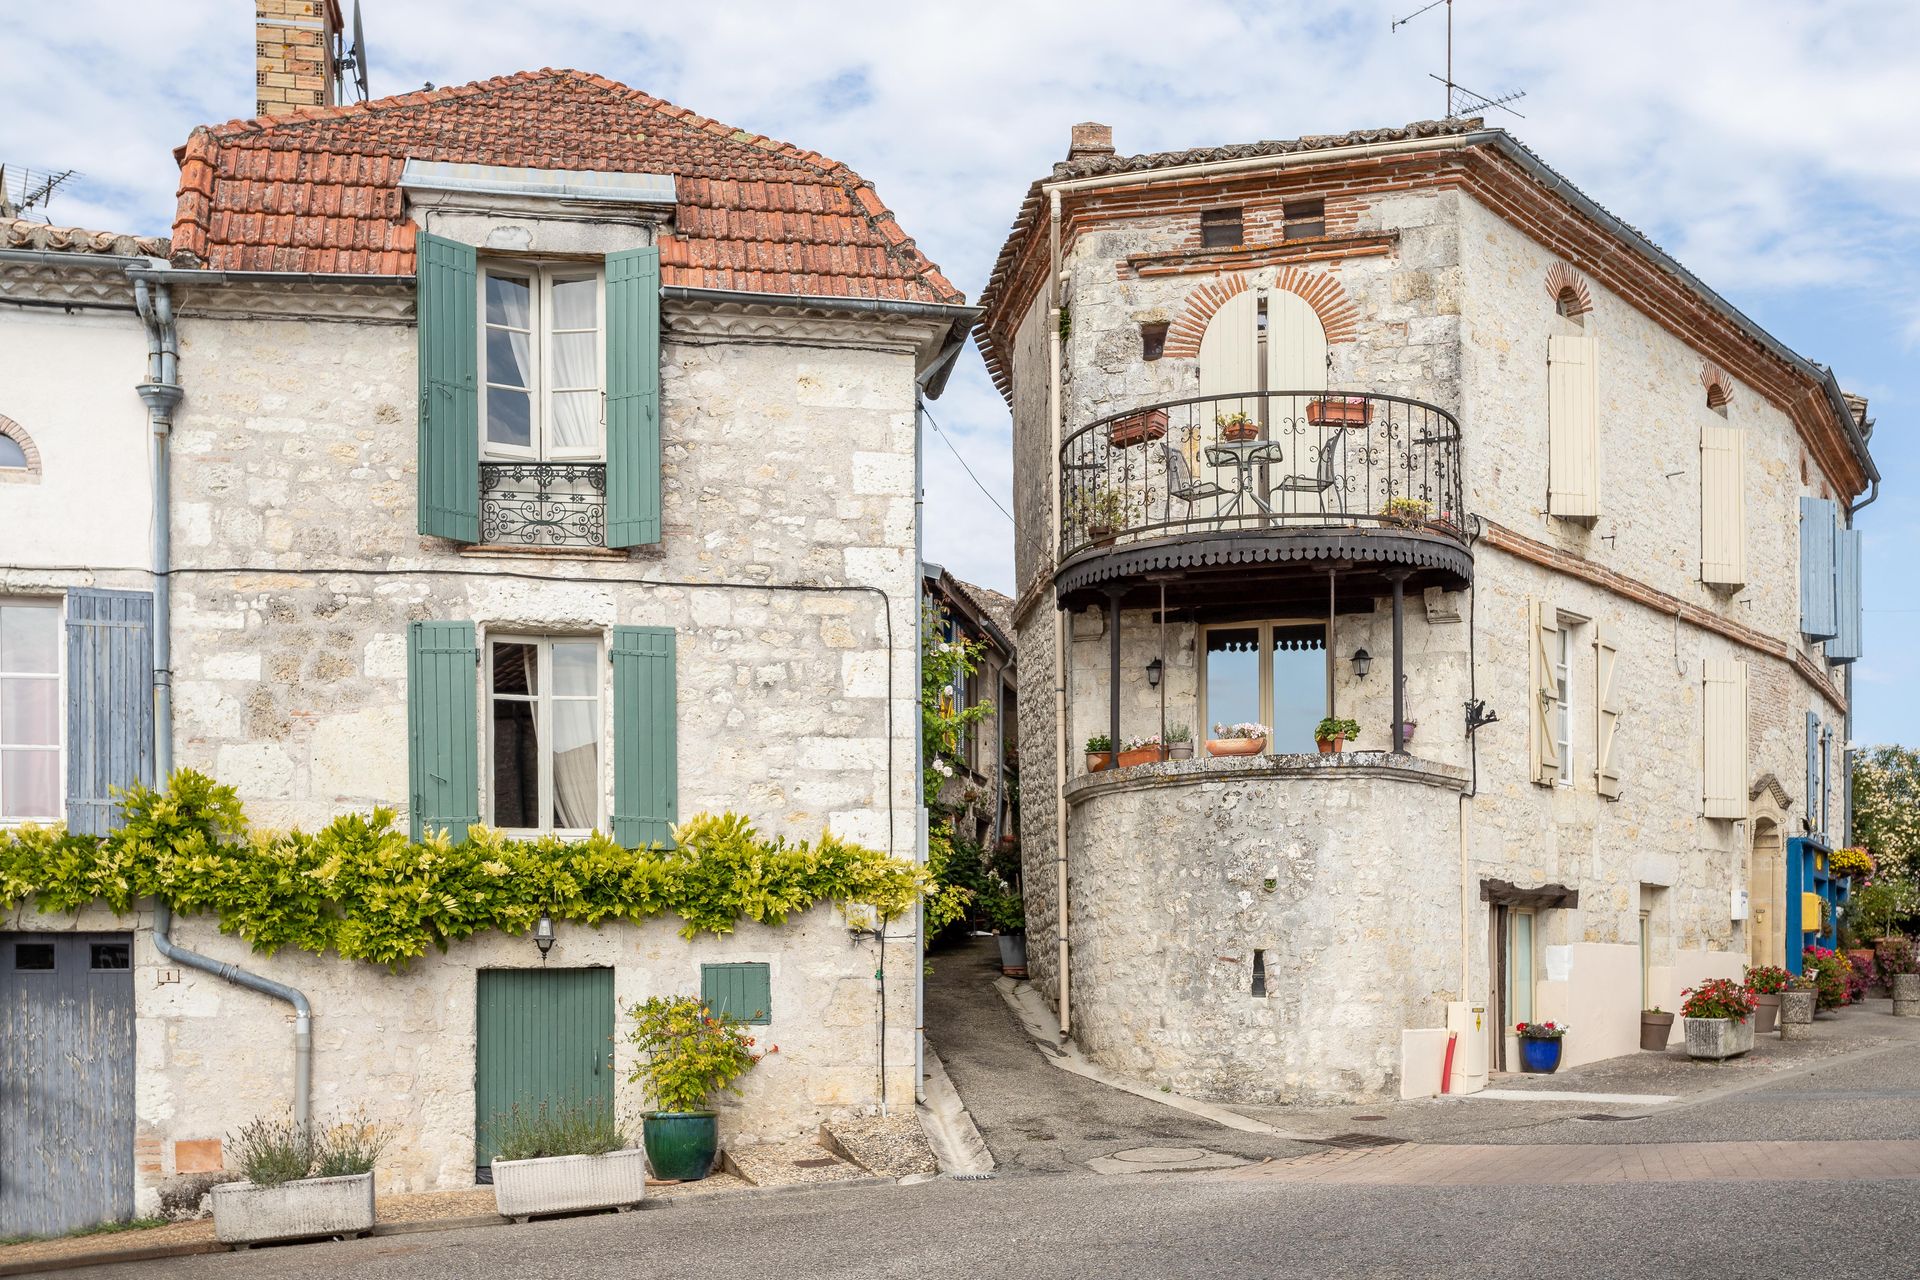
(1324, 479)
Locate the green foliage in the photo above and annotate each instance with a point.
(1886, 810)
(1879, 907)
(944, 668)
(271, 1150)
(688, 1052)
(1099, 744)
(567, 1128)
(360, 887)
(1333, 727)
(1006, 912)
(350, 1145)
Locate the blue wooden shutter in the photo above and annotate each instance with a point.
(646, 746)
(109, 703)
(447, 304)
(633, 398)
(443, 730)
(1846, 645)
(1813, 772)
(1817, 516)
(741, 991)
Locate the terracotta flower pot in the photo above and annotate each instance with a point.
(1766, 1011)
(1238, 431)
(1139, 755)
(1098, 760)
(1138, 428)
(1339, 410)
(1331, 746)
(1236, 746)
(1100, 534)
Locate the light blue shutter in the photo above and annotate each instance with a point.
(633, 398)
(447, 307)
(1846, 645)
(1826, 779)
(109, 703)
(1813, 772)
(1817, 517)
(443, 731)
(1846, 796)
(646, 747)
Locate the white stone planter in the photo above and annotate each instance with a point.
(244, 1214)
(1906, 995)
(569, 1184)
(1796, 1013)
(1718, 1037)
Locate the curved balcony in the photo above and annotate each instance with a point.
(1287, 479)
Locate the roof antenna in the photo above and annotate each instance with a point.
(33, 187)
(1460, 99)
(354, 59)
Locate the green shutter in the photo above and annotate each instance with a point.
(633, 398)
(646, 742)
(448, 305)
(443, 727)
(741, 991)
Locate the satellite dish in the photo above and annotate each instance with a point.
(357, 56)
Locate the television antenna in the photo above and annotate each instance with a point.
(1460, 99)
(354, 58)
(23, 190)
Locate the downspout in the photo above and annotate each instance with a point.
(161, 393)
(1060, 627)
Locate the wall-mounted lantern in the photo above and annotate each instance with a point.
(1154, 669)
(543, 935)
(1362, 663)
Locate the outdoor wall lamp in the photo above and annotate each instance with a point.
(543, 935)
(1362, 663)
(1154, 669)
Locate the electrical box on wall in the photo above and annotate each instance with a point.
(1740, 904)
(1468, 1022)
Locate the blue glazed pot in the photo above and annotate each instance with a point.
(1541, 1057)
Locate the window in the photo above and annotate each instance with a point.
(741, 991)
(541, 361)
(1567, 304)
(112, 955)
(1271, 673)
(1153, 341)
(30, 708)
(544, 734)
(1302, 219)
(33, 957)
(14, 458)
(1563, 701)
(1519, 966)
(1220, 229)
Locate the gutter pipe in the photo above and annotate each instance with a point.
(1061, 628)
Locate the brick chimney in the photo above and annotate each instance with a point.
(293, 55)
(1089, 139)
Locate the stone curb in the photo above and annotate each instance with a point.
(957, 1145)
(74, 1261)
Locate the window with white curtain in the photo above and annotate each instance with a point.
(544, 733)
(30, 712)
(542, 364)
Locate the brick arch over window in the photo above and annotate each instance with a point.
(18, 434)
(1323, 293)
(1564, 283)
(1719, 386)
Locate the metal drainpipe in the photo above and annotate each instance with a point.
(1061, 635)
(161, 392)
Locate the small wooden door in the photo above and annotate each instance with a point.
(1767, 898)
(543, 1037)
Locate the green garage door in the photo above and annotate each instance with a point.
(544, 1037)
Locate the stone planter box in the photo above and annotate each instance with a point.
(244, 1214)
(568, 1184)
(1796, 1014)
(1716, 1038)
(1906, 995)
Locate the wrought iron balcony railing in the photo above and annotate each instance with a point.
(549, 504)
(1260, 461)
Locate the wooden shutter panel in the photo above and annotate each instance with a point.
(1296, 349)
(1723, 515)
(1813, 772)
(1847, 643)
(741, 991)
(633, 398)
(1725, 755)
(1543, 632)
(1230, 355)
(109, 703)
(443, 727)
(646, 742)
(447, 306)
(1817, 613)
(1573, 428)
(1606, 720)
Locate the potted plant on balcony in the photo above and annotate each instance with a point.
(1140, 751)
(1540, 1046)
(1244, 739)
(1099, 752)
(1137, 428)
(1331, 734)
(1656, 1028)
(1342, 411)
(564, 1158)
(1103, 514)
(1236, 426)
(1765, 982)
(297, 1184)
(1719, 1019)
(1407, 513)
(688, 1053)
(1179, 742)
(1008, 916)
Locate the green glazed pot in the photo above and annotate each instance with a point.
(680, 1144)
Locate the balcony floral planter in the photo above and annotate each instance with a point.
(1719, 1019)
(245, 1214)
(1540, 1045)
(1099, 753)
(1343, 411)
(1136, 753)
(1406, 513)
(1137, 429)
(525, 1189)
(1238, 740)
(1331, 735)
(1236, 427)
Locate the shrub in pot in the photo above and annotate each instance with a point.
(688, 1053)
(1540, 1045)
(1719, 1019)
(1103, 515)
(297, 1182)
(1099, 752)
(1656, 1028)
(1331, 734)
(1407, 513)
(564, 1158)
(1765, 983)
(1243, 739)
(1236, 426)
(1007, 913)
(1179, 742)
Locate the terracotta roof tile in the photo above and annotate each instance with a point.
(23, 233)
(318, 190)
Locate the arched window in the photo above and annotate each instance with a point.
(19, 459)
(12, 456)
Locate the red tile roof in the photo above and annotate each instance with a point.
(22, 233)
(319, 190)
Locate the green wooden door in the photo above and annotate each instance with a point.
(543, 1037)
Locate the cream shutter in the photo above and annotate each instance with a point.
(1606, 718)
(1543, 631)
(1723, 516)
(1724, 757)
(1573, 429)
(1230, 352)
(1296, 348)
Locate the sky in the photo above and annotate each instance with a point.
(1769, 146)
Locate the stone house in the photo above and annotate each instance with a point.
(1399, 427)
(534, 453)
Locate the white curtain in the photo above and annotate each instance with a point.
(575, 377)
(576, 764)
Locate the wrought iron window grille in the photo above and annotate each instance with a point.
(546, 504)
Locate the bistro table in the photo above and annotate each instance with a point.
(1243, 456)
